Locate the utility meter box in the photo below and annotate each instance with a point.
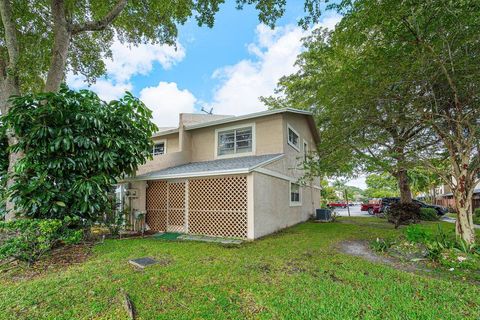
(132, 193)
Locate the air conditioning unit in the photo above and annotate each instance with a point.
(131, 193)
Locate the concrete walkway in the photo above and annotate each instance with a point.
(452, 220)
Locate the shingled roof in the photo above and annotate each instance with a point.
(215, 167)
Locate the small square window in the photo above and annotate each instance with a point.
(295, 196)
(158, 148)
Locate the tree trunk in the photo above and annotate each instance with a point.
(463, 194)
(8, 89)
(404, 186)
(62, 37)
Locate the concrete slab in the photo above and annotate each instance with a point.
(142, 262)
(189, 237)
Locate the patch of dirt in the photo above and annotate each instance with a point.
(361, 249)
(58, 259)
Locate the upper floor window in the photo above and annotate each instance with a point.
(158, 148)
(293, 138)
(235, 141)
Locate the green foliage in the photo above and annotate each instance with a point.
(381, 186)
(382, 245)
(415, 233)
(445, 248)
(428, 214)
(29, 239)
(476, 216)
(76, 146)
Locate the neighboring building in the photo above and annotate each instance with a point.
(229, 176)
(445, 197)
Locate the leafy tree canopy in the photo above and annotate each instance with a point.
(380, 186)
(75, 147)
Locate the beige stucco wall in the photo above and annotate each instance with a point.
(268, 137)
(292, 162)
(272, 210)
(172, 142)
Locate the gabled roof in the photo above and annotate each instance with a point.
(235, 165)
(230, 119)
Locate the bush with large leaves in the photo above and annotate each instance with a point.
(75, 148)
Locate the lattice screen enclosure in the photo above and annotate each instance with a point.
(207, 206)
(157, 205)
(218, 206)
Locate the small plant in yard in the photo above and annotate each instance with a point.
(444, 248)
(29, 239)
(382, 245)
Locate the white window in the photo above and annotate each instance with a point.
(293, 138)
(295, 194)
(159, 148)
(235, 141)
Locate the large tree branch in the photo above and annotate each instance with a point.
(11, 40)
(103, 23)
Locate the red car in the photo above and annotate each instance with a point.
(337, 204)
(373, 206)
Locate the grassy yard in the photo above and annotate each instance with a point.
(296, 274)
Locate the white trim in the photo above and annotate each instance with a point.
(247, 116)
(235, 155)
(250, 207)
(192, 175)
(155, 142)
(295, 204)
(274, 174)
(281, 176)
(305, 150)
(264, 163)
(289, 127)
(165, 132)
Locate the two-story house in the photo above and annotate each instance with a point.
(229, 176)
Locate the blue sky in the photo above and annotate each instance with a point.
(227, 67)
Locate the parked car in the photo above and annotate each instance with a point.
(337, 205)
(372, 207)
(386, 202)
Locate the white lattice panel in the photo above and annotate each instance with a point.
(218, 206)
(176, 221)
(157, 205)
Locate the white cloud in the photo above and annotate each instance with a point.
(166, 101)
(274, 55)
(126, 62)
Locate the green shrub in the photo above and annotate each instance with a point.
(29, 239)
(403, 213)
(416, 234)
(476, 216)
(75, 148)
(428, 214)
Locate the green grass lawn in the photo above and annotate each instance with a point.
(296, 274)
